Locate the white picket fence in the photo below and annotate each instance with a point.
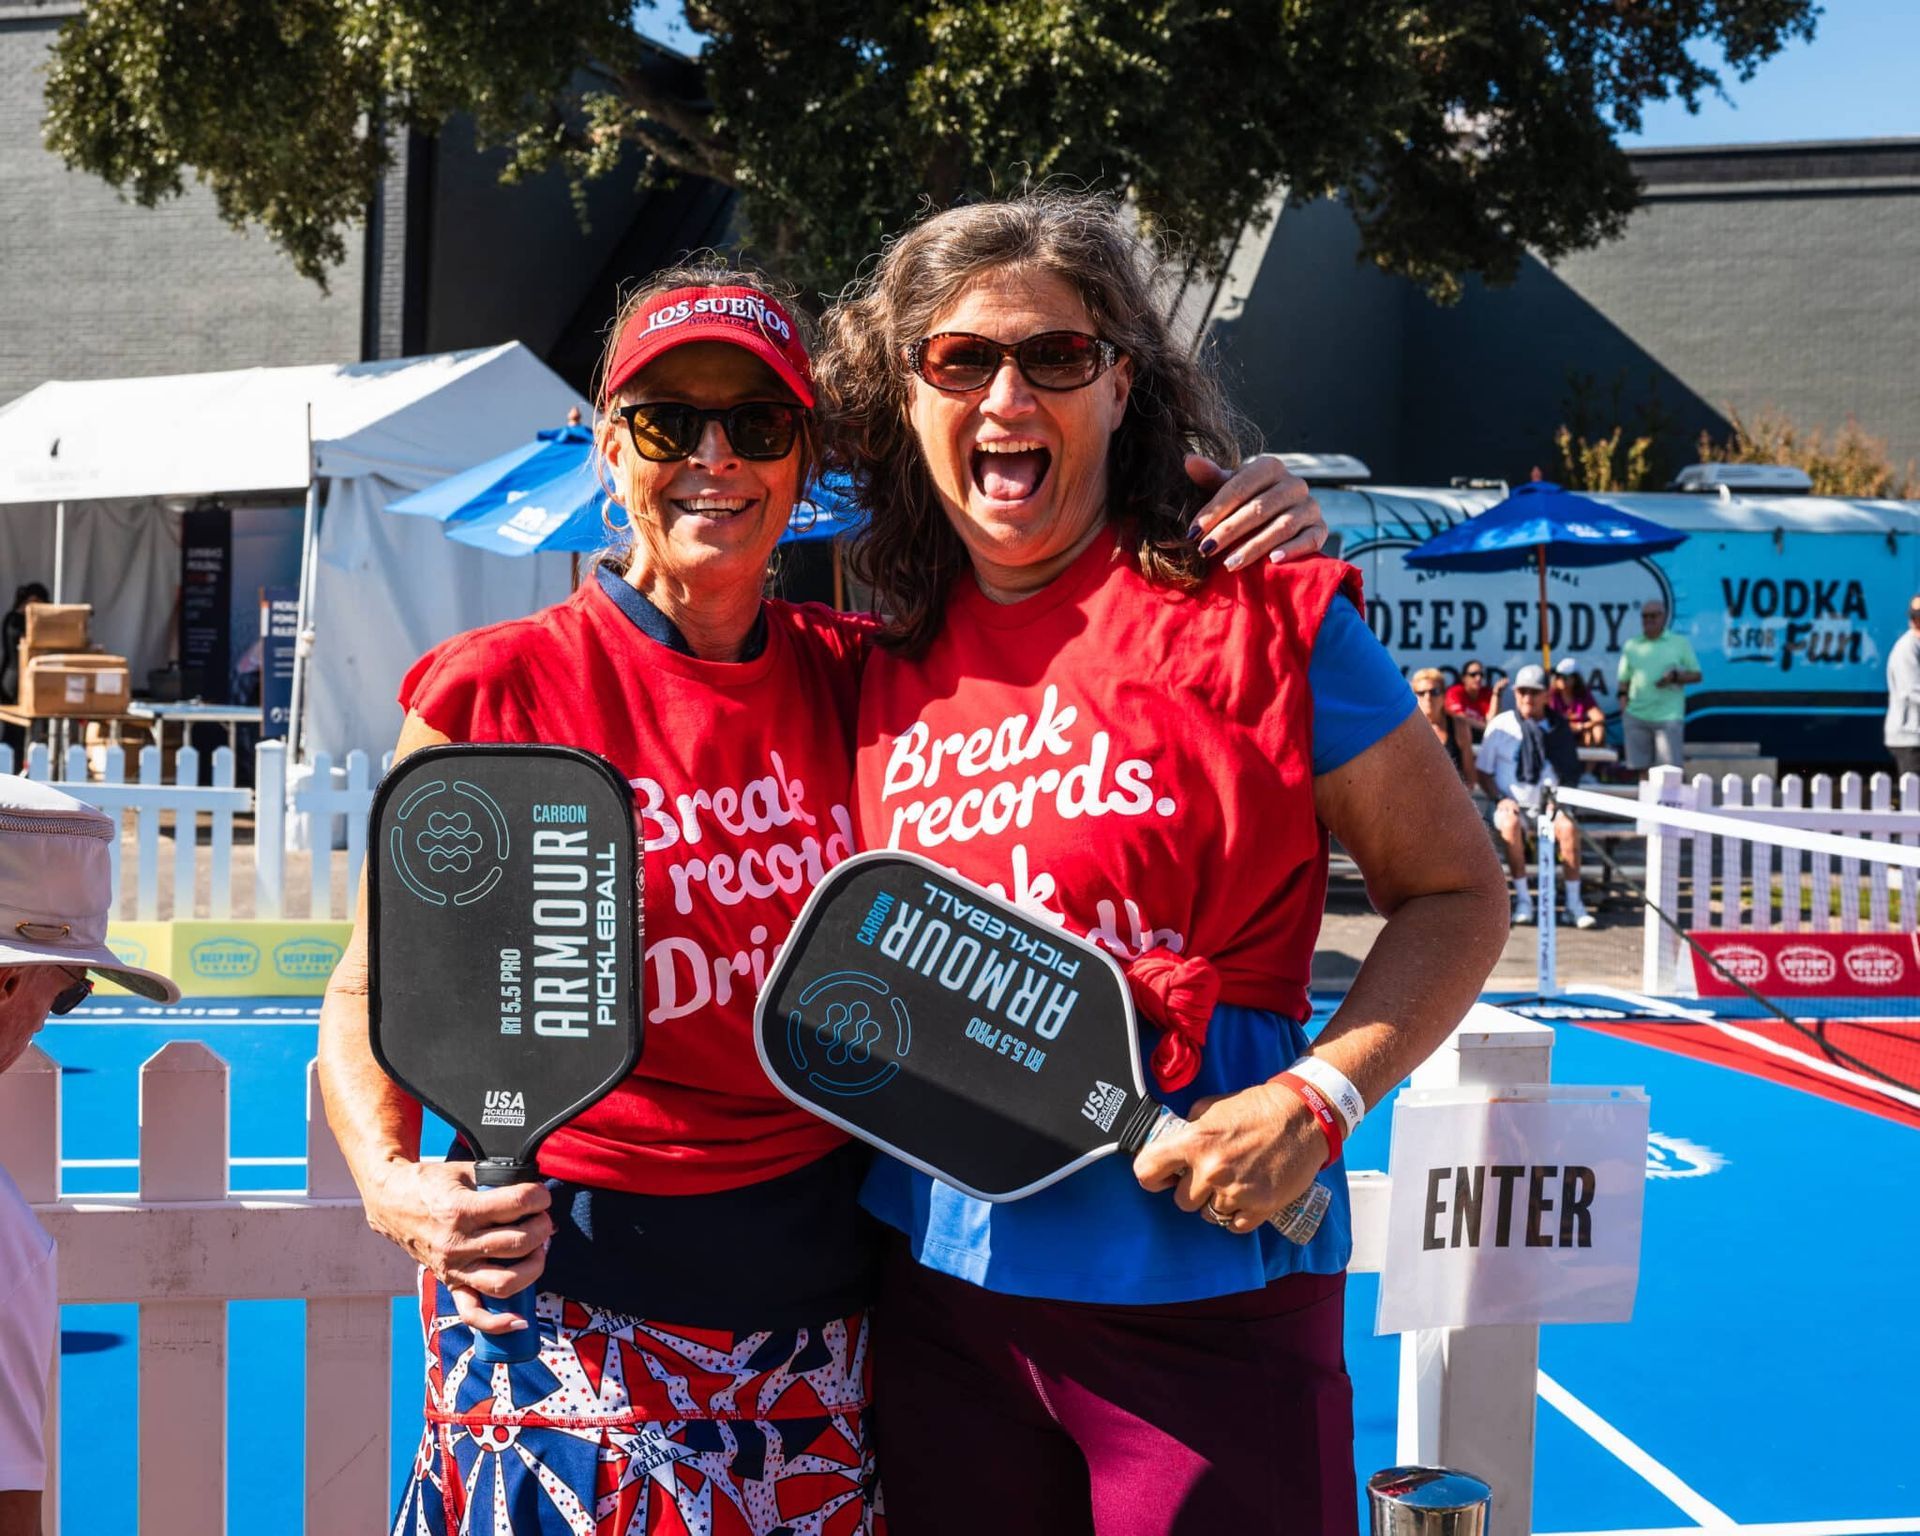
(185, 809)
(182, 1249)
(1735, 885)
(185, 1246)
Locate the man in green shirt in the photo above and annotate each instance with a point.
(1655, 671)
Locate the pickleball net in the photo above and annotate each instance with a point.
(1788, 937)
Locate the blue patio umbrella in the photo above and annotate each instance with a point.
(1541, 525)
(504, 479)
(559, 513)
(571, 513)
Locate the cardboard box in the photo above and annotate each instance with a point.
(75, 683)
(58, 627)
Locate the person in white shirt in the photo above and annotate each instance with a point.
(1903, 696)
(55, 891)
(1513, 765)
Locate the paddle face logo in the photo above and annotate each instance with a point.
(448, 843)
(1104, 1103)
(504, 1106)
(847, 1033)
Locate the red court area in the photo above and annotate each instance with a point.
(1835, 1047)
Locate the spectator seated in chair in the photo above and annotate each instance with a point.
(1516, 761)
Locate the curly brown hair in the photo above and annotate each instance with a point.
(908, 552)
(700, 269)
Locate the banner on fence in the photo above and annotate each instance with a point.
(1523, 1208)
(236, 958)
(1806, 964)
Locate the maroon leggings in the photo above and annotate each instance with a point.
(1009, 1415)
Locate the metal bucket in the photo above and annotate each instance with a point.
(1428, 1501)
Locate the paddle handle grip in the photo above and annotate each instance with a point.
(523, 1344)
(1296, 1222)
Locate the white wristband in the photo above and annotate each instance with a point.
(1334, 1083)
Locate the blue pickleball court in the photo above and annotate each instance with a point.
(1768, 1378)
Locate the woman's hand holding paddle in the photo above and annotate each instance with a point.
(476, 1241)
(1244, 1155)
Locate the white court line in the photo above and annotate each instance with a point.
(1894, 1527)
(1761, 1043)
(76, 1021)
(1695, 1507)
(134, 1162)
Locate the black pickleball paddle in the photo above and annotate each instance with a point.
(504, 944)
(944, 1025)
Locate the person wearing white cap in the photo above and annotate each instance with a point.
(1514, 765)
(56, 887)
(1571, 699)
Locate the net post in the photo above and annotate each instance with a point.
(1546, 960)
(1659, 949)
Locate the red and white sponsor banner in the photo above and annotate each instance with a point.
(1807, 964)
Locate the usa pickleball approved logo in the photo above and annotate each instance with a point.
(847, 1033)
(449, 843)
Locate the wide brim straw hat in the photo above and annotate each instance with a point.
(56, 887)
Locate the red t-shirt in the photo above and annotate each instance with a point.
(1469, 703)
(741, 775)
(1133, 762)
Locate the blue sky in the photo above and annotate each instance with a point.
(1859, 78)
(1855, 80)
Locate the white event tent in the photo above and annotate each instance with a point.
(94, 474)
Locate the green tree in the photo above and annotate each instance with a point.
(1463, 132)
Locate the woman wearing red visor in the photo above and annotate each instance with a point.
(703, 1265)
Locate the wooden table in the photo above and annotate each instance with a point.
(60, 727)
(192, 712)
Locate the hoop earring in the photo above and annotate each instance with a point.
(813, 516)
(616, 530)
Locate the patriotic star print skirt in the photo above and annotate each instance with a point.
(623, 1427)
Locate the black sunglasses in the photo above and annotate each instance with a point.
(71, 997)
(959, 362)
(664, 431)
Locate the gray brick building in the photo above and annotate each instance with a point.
(92, 286)
(1767, 275)
(1778, 275)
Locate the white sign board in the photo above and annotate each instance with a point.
(1519, 1208)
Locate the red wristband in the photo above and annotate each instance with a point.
(1316, 1101)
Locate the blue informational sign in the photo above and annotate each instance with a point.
(1791, 604)
(279, 629)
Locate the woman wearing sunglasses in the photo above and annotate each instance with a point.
(1473, 699)
(1070, 705)
(702, 1260)
(1429, 686)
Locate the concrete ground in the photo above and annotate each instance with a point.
(1608, 953)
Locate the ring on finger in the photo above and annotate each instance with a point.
(1214, 1214)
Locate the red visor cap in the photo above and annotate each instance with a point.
(744, 316)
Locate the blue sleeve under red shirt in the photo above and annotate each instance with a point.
(1359, 695)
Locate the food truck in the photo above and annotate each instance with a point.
(1791, 602)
